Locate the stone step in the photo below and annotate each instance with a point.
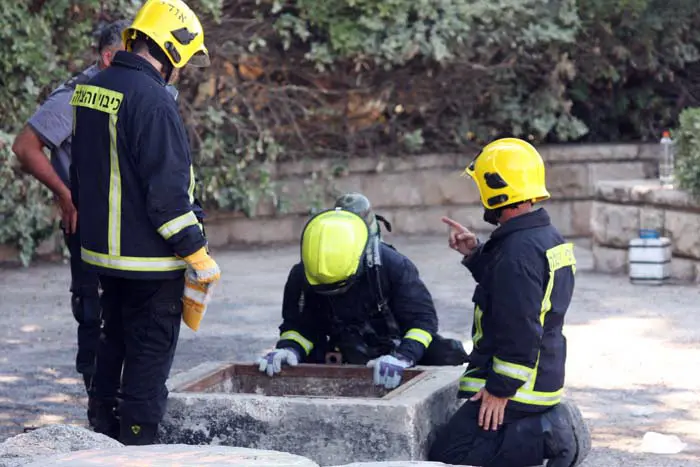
(174, 455)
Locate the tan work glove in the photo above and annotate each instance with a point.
(200, 278)
(203, 266)
(195, 299)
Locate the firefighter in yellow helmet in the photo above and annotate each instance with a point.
(347, 303)
(133, 184)
(514, 414)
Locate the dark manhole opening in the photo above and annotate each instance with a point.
(302, 380)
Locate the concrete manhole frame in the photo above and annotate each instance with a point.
(398, 425)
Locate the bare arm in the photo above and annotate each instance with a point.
(29, 149)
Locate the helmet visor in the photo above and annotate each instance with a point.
(337, 288)
(200, 59)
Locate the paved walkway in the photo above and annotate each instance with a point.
(633, 364)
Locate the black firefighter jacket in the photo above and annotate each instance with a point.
(525, 281)
(314, 324)
(131, 173)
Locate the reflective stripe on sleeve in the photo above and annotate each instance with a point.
(174, 226)
(294, 336)
(511, 370)
(478, 330)
(419, 335)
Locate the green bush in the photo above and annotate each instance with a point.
(293, 79)
(687, 151)
(44, 42)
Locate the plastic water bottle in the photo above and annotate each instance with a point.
(666, 162)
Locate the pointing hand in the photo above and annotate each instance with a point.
(460, 238)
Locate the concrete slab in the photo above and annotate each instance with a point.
(174, 456)
(328, 413)
(629, 347)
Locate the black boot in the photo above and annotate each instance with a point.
(105, 419)
(137, 434)
(567, 440)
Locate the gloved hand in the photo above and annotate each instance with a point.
(203, 266)
(195, 299)
(388, 369)
(272, 362)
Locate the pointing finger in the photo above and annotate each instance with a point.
(452, 223)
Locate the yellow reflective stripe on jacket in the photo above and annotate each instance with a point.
(479, 332)
(419, 335)
(132, 263)
(558, 257)
(511, 370)
(294, 336)
(109, 102)
(97, 98)
(190, 188)
(174, 226)
(114, 227)
(524, 396)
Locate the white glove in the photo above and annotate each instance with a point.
(272, 362)
(388, 370)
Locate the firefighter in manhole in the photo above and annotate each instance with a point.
(354, 299)
(514, 414)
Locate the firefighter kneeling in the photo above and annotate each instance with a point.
(354, 299)
(514, 415)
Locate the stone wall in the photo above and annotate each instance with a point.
(413, 192)
(621, 208)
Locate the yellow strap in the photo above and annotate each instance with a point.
(132, 263)
(511, 370)
(294, 336)
(114, 223)
(478, 332)
(175, 226)
(419, 335)
(524, 396)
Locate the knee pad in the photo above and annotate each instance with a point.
(567, 436)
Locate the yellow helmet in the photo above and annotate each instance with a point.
(333, 244)
(508, 171)
(175, 28)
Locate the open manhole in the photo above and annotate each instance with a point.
(303, 380)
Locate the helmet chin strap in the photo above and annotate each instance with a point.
(492, 215)
(157, 53)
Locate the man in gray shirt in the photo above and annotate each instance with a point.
(51, 126)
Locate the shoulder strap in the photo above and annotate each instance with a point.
(75, 80)
(378, 273)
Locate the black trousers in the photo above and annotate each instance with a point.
(519, 442)
(137, 345)
(85, 303)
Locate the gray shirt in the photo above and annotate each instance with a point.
(53, 122)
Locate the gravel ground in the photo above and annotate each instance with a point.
(633, 365)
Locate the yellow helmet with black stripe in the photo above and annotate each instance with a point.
(333, 246)
(174, 27)
(508, 171)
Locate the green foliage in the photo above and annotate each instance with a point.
(687, 151)
(40, 49)
(26, 212)
(233, 174)
(356, 78)
(636, 66)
